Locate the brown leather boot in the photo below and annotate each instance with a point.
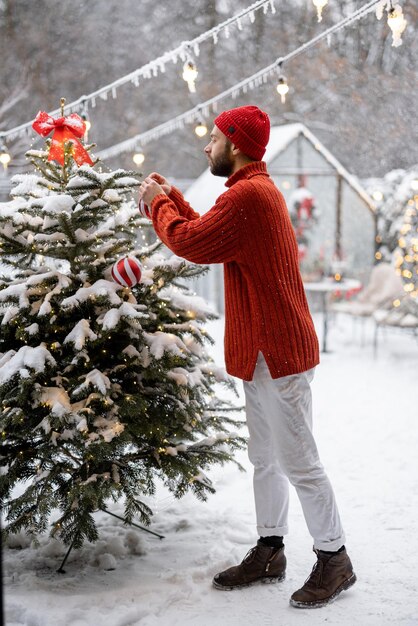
(261, 564)
(329, 577)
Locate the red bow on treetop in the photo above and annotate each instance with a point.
(69, 128)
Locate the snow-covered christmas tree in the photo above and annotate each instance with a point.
(397, 235)
(104, 388)
(397, 223)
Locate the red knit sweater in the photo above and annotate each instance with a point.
(250, 232)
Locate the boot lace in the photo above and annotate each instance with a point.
(315, 577)
(250, 555)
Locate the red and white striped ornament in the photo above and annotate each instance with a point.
(127, 271)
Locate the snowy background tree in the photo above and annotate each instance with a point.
(104, 388)
(396, 196)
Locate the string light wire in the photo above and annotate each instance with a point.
(252, 81)
(152, 68)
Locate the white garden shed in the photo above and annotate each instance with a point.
(339, 227)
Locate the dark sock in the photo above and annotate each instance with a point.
(332, 553)
(273, 542)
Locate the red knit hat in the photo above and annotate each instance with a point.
(248, 128)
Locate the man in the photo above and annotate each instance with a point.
(270, 343)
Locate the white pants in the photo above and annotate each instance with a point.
(282, 449)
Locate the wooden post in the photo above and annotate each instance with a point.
(376, 241)
(338, 219)
(299, 161)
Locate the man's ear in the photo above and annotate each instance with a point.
(235, 150)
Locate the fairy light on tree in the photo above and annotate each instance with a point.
(397, 227)
(406, 254)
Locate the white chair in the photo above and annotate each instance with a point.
(402, 317)
(384, 286)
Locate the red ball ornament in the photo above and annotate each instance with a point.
(127, 271)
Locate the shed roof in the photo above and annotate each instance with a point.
(206, 188)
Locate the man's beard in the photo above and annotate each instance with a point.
(223, 165)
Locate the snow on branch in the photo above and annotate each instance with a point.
(101, 288)
(96, 379)
(112, 317)
(185, 377)
(56, 398)
(196, 306)
(160, 342)
(80, 334)
(25, 359)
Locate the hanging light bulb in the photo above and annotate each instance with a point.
(138, 157)
(5, 157)
(282, 88)
(319, 5)
(397, 24)
(201, 129)
(190, 74)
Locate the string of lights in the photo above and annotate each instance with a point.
(204, 109)
(396, 21)
(184, 51)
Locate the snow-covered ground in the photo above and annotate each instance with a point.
(366, 424)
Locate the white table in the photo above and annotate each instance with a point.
(324, 288)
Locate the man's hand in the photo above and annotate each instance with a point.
(149, 189)
(161, 181)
